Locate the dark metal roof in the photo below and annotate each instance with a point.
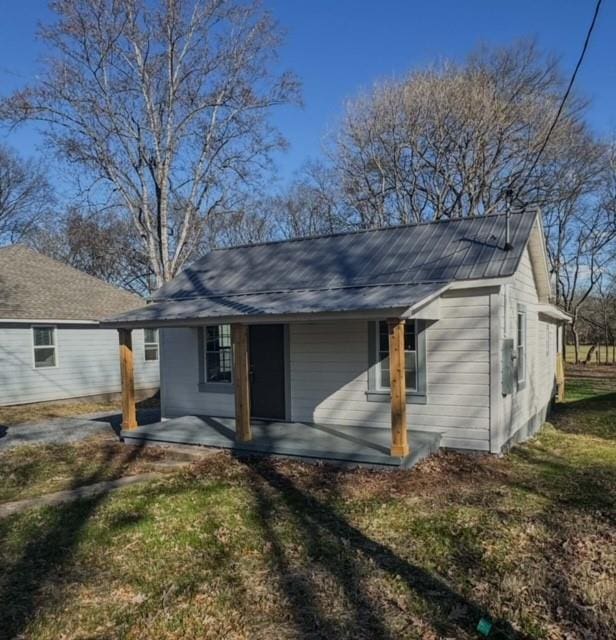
(284, 303)
(372, 269)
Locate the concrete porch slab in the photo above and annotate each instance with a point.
(365, 446)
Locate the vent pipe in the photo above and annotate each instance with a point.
(508, 199)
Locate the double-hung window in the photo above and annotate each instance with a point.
(521, 347)
(218, 353)
(410, 356)
(150, 344)
(44, 345)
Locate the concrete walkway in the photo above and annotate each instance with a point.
(60, 430)
(70, 495)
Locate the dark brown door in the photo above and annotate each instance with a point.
(267, 371)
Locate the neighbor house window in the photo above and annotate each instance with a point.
(521, 347)
(218, 353)
(150, 344)
(410, 356)
(44, 343)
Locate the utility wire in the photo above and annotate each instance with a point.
(565, 96)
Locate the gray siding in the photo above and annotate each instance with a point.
(180, 393)
(88, 364)
(329, 379)
(514, 412)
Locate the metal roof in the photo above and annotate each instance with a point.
(34, 286)
(361, 270)
(284, 303)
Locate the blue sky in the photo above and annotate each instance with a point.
(338, 47)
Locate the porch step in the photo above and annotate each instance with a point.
(422, 444)
(343, 445)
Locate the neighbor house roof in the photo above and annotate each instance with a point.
(36, 287)
(394, 267)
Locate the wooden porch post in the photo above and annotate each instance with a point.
(560, 377)
(397, 379)
(239, 342)
(129, 413)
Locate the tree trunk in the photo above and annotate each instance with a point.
(576, 343)
(589, 355)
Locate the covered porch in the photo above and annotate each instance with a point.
(355, 442)
(338, 444)
(283, 432)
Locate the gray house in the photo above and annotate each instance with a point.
(51, 344)
(371, 346)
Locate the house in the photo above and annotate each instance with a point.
(363, 346)
(51, 344)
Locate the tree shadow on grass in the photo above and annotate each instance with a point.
(45, 556)
(335, 546)
(565, 484)
(593, 416)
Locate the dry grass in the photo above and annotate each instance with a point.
(34, 470)
(17, 414)
(584, 348)
(264, 549)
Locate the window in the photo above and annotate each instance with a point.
(44, 344)
(410, 356)
(521, 347)
(150, 344)
(218, 353)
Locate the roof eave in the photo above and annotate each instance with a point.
(357, 314)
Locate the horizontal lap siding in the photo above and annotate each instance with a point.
(525, 403)
(180, 393)
(329, 379)
(88, 364)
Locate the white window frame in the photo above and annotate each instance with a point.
(521, 328)
(378, 361)
(54, 345)
(205, 355)
(151, 345)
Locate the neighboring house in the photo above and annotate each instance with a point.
(51, 345)
(463, 306)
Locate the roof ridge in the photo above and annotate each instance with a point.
(336, 234)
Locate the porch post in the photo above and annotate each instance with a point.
(239, 342)
(399, 440)
(560, 377)
(129, 413)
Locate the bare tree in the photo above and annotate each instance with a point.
(312, 204)
(581, 242)
(25, 195)
(455, 139)
(165, 104)
(101, 243)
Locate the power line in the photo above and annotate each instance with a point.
(565, 96)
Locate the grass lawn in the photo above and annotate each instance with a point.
(584, 348)
(34, 470)
(41, 411)
(276, 550)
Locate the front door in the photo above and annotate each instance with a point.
(267, 371)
